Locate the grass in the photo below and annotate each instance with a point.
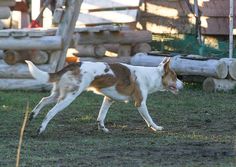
(200, 131)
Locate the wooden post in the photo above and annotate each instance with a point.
(66, 30)
(231, 27)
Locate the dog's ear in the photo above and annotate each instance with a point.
(165, 64)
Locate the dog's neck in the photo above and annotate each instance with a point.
(152, 79)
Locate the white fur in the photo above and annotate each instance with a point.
(38, 74)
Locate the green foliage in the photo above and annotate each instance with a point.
(188, 44)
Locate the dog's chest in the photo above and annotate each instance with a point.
(110, 92)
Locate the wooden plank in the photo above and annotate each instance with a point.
(123, 37)
(100, 28)
(161, 25)
(91, 4)
(5, 12)
(43, 43)
(106, 17)
(32, 32)
(171, 9)
(7, 2)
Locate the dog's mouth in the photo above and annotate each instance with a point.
(173, 89)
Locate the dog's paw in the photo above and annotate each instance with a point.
(103, 128)
(156, 128)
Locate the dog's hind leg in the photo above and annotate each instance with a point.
(107, 102)
(67, 95)
(61, 104)
(145, 114)
(43, 102)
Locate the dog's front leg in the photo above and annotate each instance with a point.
(145, 114)
(102, 114)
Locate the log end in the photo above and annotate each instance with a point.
(209, 85)
(222, 70)
(11, 57)
(232, 69)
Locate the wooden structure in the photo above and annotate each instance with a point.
(110, 27)
(55, 42)
(114, 38)
(172, 17)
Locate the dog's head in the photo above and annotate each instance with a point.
(170, 81)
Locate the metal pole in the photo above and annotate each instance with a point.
(231, 27)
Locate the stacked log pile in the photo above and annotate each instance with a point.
(215, 74)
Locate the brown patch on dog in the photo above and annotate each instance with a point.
(124, 82)
(169, 78)
(74, 68)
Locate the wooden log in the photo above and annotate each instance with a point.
(38, 56)
(141, 47)
(183, 66)
(192, 78)
(2, 54)
(124, 50)
(5, 12)
(107, 59)
(57, 16)
(18, 70)
(23, 84)
(91, 50)
(43, 43)
(7, 3)
(212, 84)
(12, 57)
(231, 63)
(122, 37)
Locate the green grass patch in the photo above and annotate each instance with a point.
(199, 131)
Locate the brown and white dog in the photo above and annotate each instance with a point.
(117, 81)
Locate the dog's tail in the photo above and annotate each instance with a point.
(38, 74)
